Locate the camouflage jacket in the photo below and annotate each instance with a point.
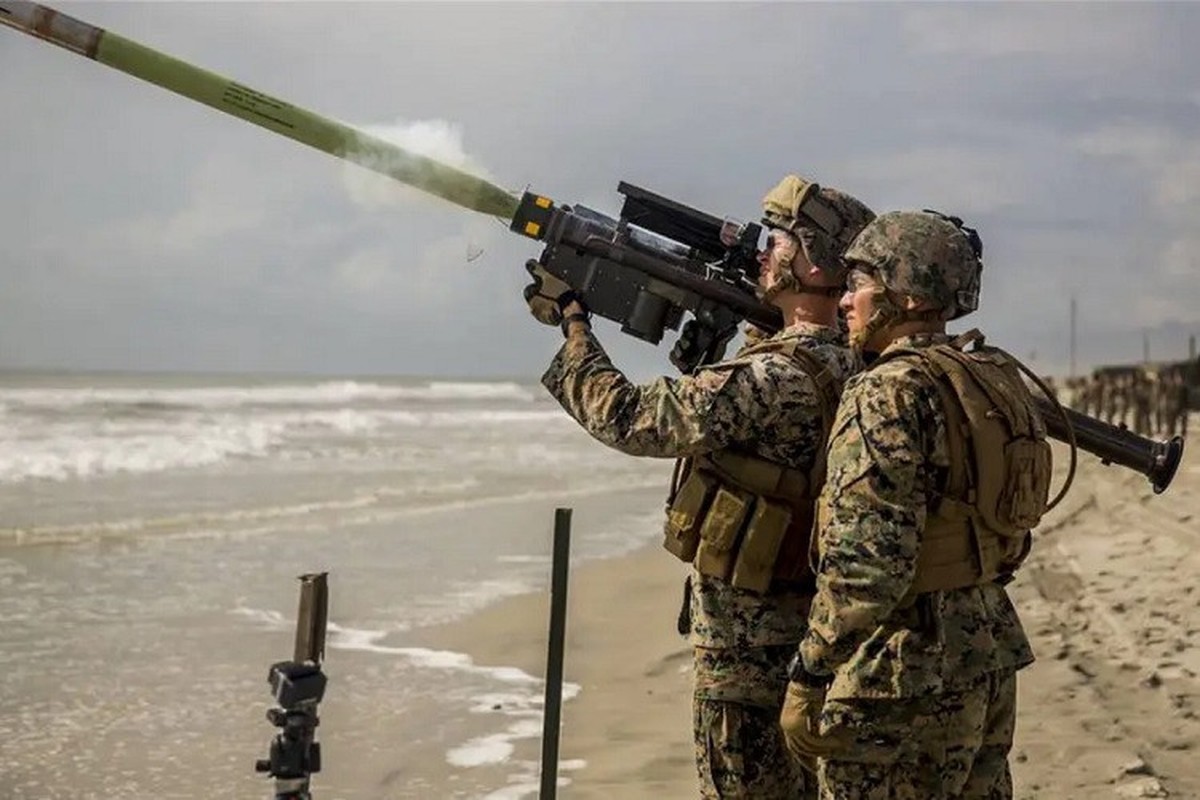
(887, 461)
(761, 403)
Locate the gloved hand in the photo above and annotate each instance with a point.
(689, 347)
(547, 295)
(755, 334)
(799, 719)
(699, 344)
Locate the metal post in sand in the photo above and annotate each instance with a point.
(552, 717)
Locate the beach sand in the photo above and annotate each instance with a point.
(1109, 598)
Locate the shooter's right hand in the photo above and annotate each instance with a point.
(547, 296)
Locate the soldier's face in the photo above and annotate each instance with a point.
(858, 302)
(782, 250)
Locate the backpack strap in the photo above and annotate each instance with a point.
(829, 388)
(958, 430)
(800, 547)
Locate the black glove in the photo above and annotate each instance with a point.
(699, 344)
(547, 295)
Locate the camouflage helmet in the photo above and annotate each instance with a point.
(825, 220)
(923, 254)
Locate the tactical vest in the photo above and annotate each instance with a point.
(745, 519)
(998, 484)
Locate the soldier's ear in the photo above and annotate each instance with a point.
(915, 303)
(819, 277)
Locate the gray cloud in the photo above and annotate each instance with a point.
(140, 230)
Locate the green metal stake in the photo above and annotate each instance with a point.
(551, 720)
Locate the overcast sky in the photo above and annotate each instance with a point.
(140, 230)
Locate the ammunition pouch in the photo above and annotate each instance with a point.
(742, 519)
(686, 511)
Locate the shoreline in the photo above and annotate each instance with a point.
(619, 748)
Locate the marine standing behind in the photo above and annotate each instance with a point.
(905, 684)
(753, 429)
(1108, 397)
(1177, 406)
(1141, 400)
(1095, 397)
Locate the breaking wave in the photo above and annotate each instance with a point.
(326, 393)
(63, 434)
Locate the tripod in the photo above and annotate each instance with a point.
(298, 687)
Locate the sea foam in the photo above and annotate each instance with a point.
(325, 393)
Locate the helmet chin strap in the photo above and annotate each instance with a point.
(928, 315)
(787, 281)
(887, 313)
(884, 314)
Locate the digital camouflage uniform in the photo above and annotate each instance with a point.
(763, 404)
(924, 694)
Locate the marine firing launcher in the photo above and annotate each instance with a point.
(662, 259)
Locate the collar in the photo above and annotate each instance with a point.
(811, 330)
(917, 341)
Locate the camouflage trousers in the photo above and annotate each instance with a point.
(740, 752)
(951, 746)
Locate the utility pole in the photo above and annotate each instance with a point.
(1145, 346)
(1192, 347)
(1073, 315)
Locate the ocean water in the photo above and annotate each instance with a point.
(151, 529)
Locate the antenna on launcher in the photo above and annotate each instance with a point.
(297, 687)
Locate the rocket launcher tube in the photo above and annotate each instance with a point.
(261, 109)
(1156, 459)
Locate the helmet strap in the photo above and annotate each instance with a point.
(785, 281)
(928, 315)
(788, 281)
(884, 314)
(888, 314)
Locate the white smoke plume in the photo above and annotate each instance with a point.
(437, 139)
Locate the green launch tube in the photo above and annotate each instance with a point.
(261, 109)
